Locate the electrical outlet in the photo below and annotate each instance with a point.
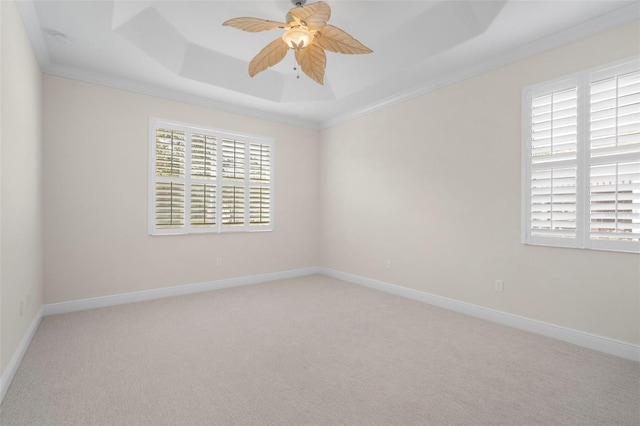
(498, 286)
(219, 262)
(389, 264)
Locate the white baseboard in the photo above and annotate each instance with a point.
(580, 338)
(159, 293)
(16, 359)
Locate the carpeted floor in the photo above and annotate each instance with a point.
(311, 350)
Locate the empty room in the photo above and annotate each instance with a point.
(336, 212)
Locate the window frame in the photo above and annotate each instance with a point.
(219, 181)
(584, 161)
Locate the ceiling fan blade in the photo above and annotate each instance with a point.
(272, 53)
(336, 40)
(313, 61)
(254, 25)
(314, 15)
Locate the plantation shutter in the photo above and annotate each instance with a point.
(232, 205)
(553, 164)
(260, 184)
(233, 159)
(204, 180)
(203, 157)
(614, 158)
(203, 175)
(169, 172)
(233, 177)
(203, 205)
(169, 205)
(581, 159)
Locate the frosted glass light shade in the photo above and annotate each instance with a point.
(297, 38)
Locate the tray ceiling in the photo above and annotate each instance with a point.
(180, 50)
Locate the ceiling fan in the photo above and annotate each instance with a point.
(306, 33)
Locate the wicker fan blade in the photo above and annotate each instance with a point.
(273, 53)
(314, 16)
(313, 61)
(254, 25)
(336, 40)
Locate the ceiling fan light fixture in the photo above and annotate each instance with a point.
(307, 33)
(298, 37)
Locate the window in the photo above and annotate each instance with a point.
(205, 180)
(581, 160)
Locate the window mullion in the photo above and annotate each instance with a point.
(617, 205)
(246, 183)
(187, 180)
(525, 205)
(582, 163)
(218, 181)
(151, 197)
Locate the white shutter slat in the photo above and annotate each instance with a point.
(623, 196)
(547, 158)
(629, 83)
(630, 228)
(546, 141)
(556, 233)
(629, 115)
(629, 237)
(615, 144)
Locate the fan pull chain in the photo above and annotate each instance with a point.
(296, 68)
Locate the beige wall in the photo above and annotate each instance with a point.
(96, 178)
(433, 184)
(21, 183)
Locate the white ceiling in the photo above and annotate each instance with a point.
(180, 50)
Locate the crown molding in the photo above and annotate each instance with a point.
(174, 95)
(616, 18)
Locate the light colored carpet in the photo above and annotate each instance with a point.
(311, 350)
